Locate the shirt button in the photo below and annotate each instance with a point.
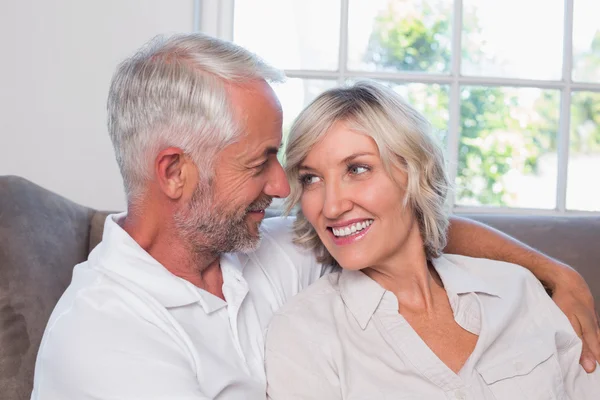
(460, 394)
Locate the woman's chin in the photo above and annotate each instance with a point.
(350, 264)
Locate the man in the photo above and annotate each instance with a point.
(174, 302)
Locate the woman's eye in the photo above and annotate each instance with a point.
(309, 179)
(357, 169)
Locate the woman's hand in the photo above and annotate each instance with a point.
(574, 298)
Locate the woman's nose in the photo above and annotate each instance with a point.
(336, 202)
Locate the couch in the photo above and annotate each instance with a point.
(43, 235)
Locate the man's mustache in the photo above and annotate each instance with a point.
(260, 204)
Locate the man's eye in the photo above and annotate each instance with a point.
(260, 167)
(308, 179)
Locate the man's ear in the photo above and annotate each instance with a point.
(172, 170)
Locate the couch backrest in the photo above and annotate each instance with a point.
(42, 236)
(574, 240)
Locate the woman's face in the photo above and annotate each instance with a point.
(353, 204)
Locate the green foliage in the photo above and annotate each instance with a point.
(585, 124)
(498, 134)
(406, 43)
(585, 106)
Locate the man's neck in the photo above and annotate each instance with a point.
(165, 246)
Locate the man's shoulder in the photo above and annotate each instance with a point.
(277, 238)
(93, 302)
(315, 304)
(99, 336)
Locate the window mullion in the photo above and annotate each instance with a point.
(343, 50)
(565, 111)
(454, 119)
(198, 12)
(214, 17)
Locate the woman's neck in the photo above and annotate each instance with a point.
(411, 278)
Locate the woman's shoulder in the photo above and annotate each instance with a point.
(489, 269)
(503, 278)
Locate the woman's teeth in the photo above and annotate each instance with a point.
(351, 229)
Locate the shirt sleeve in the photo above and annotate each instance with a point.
(579, 385)
(87, 354)
(297, 368)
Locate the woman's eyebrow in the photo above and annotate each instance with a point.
(306, 167)
(344, 161)
(356, 155)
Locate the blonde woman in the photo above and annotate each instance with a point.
(400, 319)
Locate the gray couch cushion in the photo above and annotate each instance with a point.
(42, 236)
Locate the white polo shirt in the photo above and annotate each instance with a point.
(126, 328)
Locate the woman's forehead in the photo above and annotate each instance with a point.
(341, 141)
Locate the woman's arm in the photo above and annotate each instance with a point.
(569, 290)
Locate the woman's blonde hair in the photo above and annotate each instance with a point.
(404, 139)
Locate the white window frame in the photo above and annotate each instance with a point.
(215, 17)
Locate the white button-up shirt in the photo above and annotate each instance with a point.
(343, 338)
(126, 328)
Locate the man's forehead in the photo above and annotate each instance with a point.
(251, 148)
(254, 92)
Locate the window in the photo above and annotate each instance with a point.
(512, 87)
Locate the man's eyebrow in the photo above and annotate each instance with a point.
(273, 150)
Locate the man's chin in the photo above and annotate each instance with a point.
(249, 245)
(253, 237)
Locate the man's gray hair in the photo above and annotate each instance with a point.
(172, 92)
(404, 140)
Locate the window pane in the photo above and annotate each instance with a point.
(583, 185)
(290, 34)
(507, 153)
(586, 41)
(295, 94)
(431, 101)
(400, 35)
(513, 38)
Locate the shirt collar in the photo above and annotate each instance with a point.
(363, 296)
(360, 294)
(120, 254)
(459, 276)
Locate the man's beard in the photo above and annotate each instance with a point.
(209, 228)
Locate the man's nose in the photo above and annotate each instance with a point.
(277, 185)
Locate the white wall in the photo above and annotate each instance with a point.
(56, 61)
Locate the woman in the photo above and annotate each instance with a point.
(400, 319)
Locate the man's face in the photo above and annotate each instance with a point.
(228, 213)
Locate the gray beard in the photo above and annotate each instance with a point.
(210, 229)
